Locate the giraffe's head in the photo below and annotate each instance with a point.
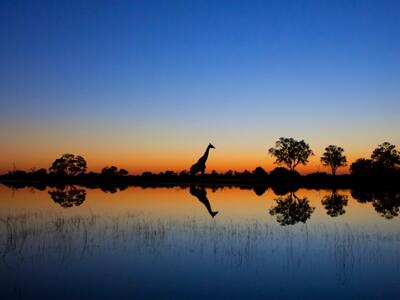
(211, 146)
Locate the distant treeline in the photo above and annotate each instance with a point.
(381, 168)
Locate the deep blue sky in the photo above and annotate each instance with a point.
(155, 75)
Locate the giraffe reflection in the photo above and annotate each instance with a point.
(201, 194)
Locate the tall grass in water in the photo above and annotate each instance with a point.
(40, 237)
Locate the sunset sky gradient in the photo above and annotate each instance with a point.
(146, 85)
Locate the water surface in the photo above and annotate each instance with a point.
(180, 243)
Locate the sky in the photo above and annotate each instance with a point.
(146, 85)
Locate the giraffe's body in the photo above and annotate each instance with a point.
(200, 165)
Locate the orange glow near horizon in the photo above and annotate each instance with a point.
(158, 161)
(176, 148)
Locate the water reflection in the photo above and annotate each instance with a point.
(291, 209)
(68, 196)
(386, 203)
(282, 190)
(260, 190)
(334, 203)
(201, 194)
(112, 187)
(162, 244)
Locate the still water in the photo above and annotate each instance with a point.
(196, 243)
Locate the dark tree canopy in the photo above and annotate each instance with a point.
(386, 156)
(123, 172)
(361, 166)
(113, 171)
(259, 171)
(69, 164)
(109, 171)
(291, 152)
(334, 158)
(290, 210)
(281, 172)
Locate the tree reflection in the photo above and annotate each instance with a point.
(291, 209)
(334, 204)
(68, 196)
(362, 196)
(386, 203)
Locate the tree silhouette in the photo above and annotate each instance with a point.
(334, 158)
(69, 164)
(290, 210)
(386, 155)
(68, 196)
(334, 204)
(291, 152)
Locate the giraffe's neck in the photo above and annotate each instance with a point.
(205, 155)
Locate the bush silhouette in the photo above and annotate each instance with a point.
(123, 172)
(281, 172)
(259, 172)
(109, 171)
(113, 172)
(361, 166)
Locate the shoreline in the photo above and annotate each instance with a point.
(209, 181)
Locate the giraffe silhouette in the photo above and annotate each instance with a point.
(201, 194)
(200, 165)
